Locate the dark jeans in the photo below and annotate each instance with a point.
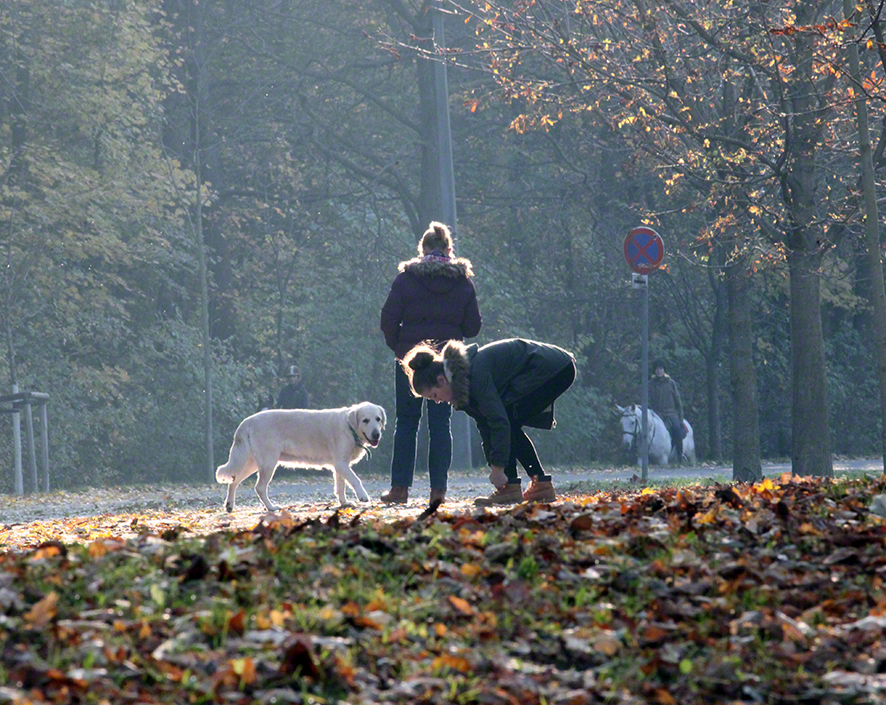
(522, 450)
(406, 433)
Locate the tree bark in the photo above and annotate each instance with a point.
(804, 238)
(810, 428)
(871, 226)
(746, 463)
(719, 333)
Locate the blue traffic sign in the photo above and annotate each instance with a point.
(644, 249)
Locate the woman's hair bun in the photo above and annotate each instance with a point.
(421, 359)
(436, 237)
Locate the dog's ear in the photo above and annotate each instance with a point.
(352, 416)
(384, 416)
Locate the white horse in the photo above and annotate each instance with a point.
(657, 436)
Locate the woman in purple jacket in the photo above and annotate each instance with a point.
(432, 300)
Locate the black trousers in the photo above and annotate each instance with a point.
(527, 409)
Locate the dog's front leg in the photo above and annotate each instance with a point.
(265, 476)
(338, 481)
(345, 473)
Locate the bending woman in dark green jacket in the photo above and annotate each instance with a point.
(503, 386)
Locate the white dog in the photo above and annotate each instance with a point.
(328, 438)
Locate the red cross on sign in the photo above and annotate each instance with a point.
(643, 250)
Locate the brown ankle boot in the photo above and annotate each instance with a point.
(505, 494)
(539, 491)
(438, 495)
(396, 495)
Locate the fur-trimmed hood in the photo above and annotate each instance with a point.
(437, 266)
(457, 368)
(432, 298)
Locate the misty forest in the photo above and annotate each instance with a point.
(196, 195)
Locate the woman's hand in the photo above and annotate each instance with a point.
(497, 475)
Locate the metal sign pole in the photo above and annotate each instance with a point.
(643, 250)
(644, 372)
(641, 282)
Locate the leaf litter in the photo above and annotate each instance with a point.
(765, 593)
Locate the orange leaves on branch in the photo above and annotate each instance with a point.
(520, 124)
(872, 83)
(830, 25)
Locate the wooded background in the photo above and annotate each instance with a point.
(212, 191)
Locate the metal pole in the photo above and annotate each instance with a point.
(18, 479)
(644, 394)
(32, 450)
(444, 133)
(461, 431)
(44, 442)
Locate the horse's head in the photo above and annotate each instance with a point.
(630, 425)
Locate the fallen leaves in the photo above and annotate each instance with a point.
(39, 615)
(769, 592)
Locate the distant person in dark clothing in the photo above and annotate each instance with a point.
(294, 395)
(664, 400)
(433, 300)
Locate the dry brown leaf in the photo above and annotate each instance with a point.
(43, 611)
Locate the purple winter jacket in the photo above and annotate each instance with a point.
(433, 298)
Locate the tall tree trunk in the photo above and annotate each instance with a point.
(810, 427)
(199, 83)
(17, 101)
(719, 333)
(746, 463)
(871, 225)
(808, 111)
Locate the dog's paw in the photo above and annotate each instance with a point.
(229, 508)
(365, 498)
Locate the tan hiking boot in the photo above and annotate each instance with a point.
(396, 495)
(438, 495)
(539, 491)
(505, 494)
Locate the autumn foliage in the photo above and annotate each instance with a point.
(770, 592)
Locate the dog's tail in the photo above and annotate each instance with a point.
(237, 460)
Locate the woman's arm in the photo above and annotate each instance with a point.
(472, 320)
(392, 316)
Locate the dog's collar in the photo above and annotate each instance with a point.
(360, 443)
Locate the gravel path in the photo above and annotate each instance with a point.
(315, 489)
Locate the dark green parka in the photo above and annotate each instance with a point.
(486, 381)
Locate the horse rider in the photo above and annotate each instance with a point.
(664, 400)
